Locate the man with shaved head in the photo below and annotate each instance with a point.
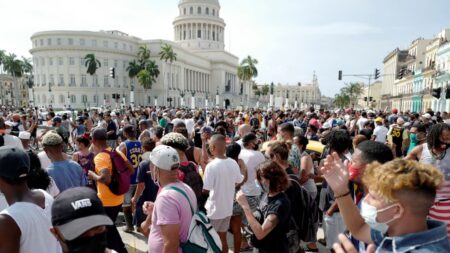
(242, 131)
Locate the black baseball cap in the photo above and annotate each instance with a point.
(77, 210)
(14, 163)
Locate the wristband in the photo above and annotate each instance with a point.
(342, 195)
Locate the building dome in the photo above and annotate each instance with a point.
(214, 2)
(199, 26)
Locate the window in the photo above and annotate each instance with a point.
(207, 11)
(105, 43)
(214, 12)
(95, 80)
(61, 80)
(73, 99)
(49, 42)
(71, 61)
(60, 61)
(214, 35)
(105, 62)
(61, 99)
(83, 81)
(199, 10)
(184, 35)
(116, 63)
(58, 41)
(82, 61)
(82, 42)
(191, 11)
(116, 45)
(199, 34)
(50, 61)
(124, 46)
(95, 99)
(106, 81)
(94, 43)
(184, 11)
(125, 85)
(148, 100)
(72, 81)
(70, 41)
(41, 42)
(51, 80)
(84, 98)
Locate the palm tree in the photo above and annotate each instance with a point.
(143, 56)
(2, 57)
(92, 64)
(247, 69)
(341, 100)
(13, 67)
(147, 76)
(353, 91)
(265, 90)
(27, 66)
(169, 56)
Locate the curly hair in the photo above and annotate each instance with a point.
(278, 178)
(281, 149)
(175, 140)
(397, 176)
(435, 133)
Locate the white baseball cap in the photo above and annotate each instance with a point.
(24, 135)
(165, 158)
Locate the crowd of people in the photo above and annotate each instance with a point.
(374, 181)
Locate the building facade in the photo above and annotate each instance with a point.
(202, 71)
(9, 95)
(392, 64)
(442, 77)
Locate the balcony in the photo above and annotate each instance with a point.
(429, 67)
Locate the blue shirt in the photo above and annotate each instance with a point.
(143, 176)
(134, 155)
(433, 240)
(67, 174)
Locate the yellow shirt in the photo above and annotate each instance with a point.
(109, 199)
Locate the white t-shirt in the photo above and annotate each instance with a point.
(220, 179)
(34, 229)
(45, 161)
(381, 133)
(361, 122)
(251, 159)
(189, 125)
(13, 141)
(3, 203)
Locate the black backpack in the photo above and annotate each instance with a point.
(190, 176)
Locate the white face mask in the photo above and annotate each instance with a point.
(369, 214)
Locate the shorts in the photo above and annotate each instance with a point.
(129, 195)
(221, 225)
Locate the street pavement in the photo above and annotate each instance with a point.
(137, 243)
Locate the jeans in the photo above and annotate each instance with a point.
(114, 241)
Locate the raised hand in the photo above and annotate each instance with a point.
(336, 174)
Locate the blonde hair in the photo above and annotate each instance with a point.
(399, 175)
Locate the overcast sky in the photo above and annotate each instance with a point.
(290, 38)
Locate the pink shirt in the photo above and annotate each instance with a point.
(171, 207)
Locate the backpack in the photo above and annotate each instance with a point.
(120, 178)
(302, 220)
(188, 174)
(202, 238)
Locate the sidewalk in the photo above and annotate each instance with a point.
(137, 243)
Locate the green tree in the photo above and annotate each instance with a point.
(27, 66)
(265, 90)
(143, 56)
(169, 56)
(133, 69)
(353, 91)
(2, 57)
(92, 64)
(247, 69)
(147, 76)
(341, 100)
(13, 67)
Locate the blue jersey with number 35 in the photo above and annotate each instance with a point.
(134, 155)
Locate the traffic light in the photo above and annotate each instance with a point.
(377, 74)
(370, 98)
(112, 72)
(365, 99)
(447, 93)
(437, 92)
(340, 75)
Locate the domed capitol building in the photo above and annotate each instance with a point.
(204, 74)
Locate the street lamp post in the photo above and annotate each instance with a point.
(182, 94)
(271, 95)
(193, 100)
(30, 90)
(206, 99)
(217, 97)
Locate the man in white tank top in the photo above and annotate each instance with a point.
(436, 152)
(19, 230)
